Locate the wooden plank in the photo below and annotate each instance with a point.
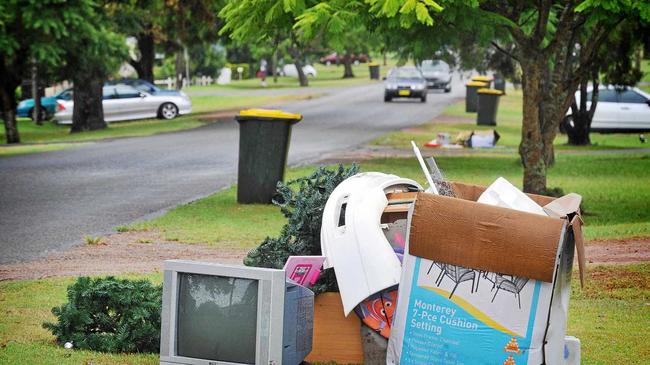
(336, 338)
(397, 208)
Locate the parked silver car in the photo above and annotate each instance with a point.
(124, 102)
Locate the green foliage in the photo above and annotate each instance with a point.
(233, 68)
(302, 202)
(110, 315)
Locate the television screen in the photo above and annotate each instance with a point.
(217, 318)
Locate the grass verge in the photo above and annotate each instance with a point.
(37, 138)
(509, 117)
(613, 186)
(609, 316)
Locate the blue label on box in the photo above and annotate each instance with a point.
(451, 317)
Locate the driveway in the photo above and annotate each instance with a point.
(50, 201)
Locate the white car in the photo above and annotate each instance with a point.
(124, 102)
(291, 71)
(619, 110)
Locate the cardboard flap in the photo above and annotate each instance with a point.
(472, 192)
(479, 236)
(564, 206)
(576, 225)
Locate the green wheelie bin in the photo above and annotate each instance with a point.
(264, 137)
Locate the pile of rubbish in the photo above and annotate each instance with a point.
(453, 273)
(467, 139)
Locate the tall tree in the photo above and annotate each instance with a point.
(143, 20)
(545, 34)
(90, 57)
(188, 23)
(34, 30)
(340, 26)
(266, 21)
(614, 64)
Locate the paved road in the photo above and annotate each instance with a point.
(50, 201)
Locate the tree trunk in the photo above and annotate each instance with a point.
(301, 73)
(531, 148)
(179, 69)
(36, 110)
(88, 112)
(8, 98)
(144, 66)
(578, 131)
(347, 66)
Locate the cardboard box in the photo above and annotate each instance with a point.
(483, 284)
(336, 338)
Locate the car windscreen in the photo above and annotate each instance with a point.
(406, 73)
(435, 66)
(65, 95)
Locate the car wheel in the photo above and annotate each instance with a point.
(387, 98)
(423, 98)
(168, 111)
(448, 89)
(42, 114)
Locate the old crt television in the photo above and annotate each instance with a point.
(216, 314)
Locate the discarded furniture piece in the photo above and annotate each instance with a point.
(352, 240)
(528, 258)
(264, 137)
(336, 338)
(471, 96)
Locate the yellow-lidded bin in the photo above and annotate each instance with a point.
(471, 98)
(484, 78)
(488, 105)
(264, 137)
(373, 67)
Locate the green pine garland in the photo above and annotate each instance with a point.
(110, 315)
(302, 202)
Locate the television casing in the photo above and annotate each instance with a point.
(284, 314)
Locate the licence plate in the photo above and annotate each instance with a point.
(404, 92)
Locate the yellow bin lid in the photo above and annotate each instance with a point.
(373, 64)
(482, 78)
(268, 114)
(476, 84)
(490, 91)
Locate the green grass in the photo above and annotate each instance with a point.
(207, 104)
(508, 126)
(327, 76)
(37, 138)
(610, 316)
(218, 220)
(614, 189)
(25, 305)
(22, 149)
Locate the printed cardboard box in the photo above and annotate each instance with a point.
(484, 284)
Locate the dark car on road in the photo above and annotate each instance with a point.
(437, 73)
(405, 82)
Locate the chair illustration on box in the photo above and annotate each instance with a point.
(457, 274)
(513, 285)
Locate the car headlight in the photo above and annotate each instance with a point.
(417, 87)
(391, 86)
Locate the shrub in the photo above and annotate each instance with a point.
(110, 315)
(302, 202)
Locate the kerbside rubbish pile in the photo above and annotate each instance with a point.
(479, 276)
